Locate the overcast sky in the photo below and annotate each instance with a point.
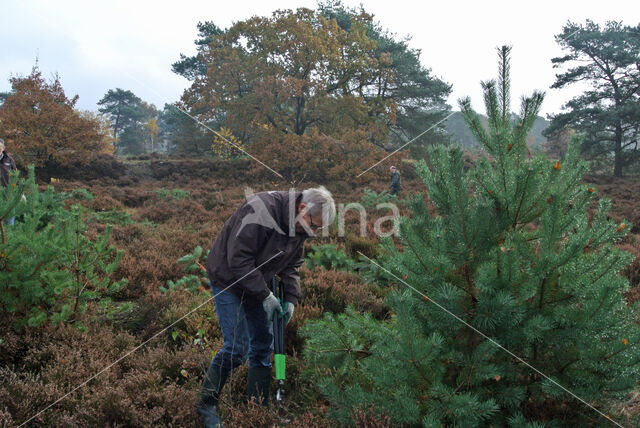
(97, 46)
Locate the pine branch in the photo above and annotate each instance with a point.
(515, 217)
(471, 117)
(566, 366)
(424, 266)
(544, 281)
(601, 303)
(413, 358)
(504, 68)
(613, 354)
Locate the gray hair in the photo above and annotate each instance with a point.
(319, 200)
(2, 142)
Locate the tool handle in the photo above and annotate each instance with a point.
(277, 288)
(282, 323)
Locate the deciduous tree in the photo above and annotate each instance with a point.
(152, 131)
(294, 71)
(42, 127)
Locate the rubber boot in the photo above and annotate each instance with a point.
(212, 384)
(258, 384)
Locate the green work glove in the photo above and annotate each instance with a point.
(271, 305)
(287, 312)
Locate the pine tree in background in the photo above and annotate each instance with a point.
(514, 252)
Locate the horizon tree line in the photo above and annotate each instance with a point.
(335, 71)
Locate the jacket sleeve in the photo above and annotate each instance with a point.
(242, 251)
(290, 277)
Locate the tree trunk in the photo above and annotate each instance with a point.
(115, 133)
(617, 152)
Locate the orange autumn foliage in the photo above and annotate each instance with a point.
(41, 126)
(318, 157)
(296, 72)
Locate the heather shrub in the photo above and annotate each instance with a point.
(112, 217)
(103, 165)
(370, 418)
(103, 203)
(301, 407)
(355, 245)
(334, 290)
(624, 191)
(150, 387)
(149, 263)
(124, 196)
(168, 194)
(133, 197)
(187, 211)
(201, 324)
(129, 234)
(250, 414)
(308, 308)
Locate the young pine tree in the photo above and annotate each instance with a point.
(49, 270)
(514, 252)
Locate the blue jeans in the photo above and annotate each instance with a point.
(246, 331)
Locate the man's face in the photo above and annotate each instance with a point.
(1, 147)
(313, 222)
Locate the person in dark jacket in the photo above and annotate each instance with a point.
(395, 186)
(7, 164)
(263, 238)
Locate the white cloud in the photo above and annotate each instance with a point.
(97, 46)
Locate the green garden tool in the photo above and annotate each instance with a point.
(278, 340)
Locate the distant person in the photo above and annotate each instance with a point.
(263, 238)
(6, 164)
(394, 187)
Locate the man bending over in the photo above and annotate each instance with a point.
(263, 238)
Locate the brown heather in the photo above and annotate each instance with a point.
(158, 385)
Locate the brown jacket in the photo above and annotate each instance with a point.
(257, 231)
(6, 164)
